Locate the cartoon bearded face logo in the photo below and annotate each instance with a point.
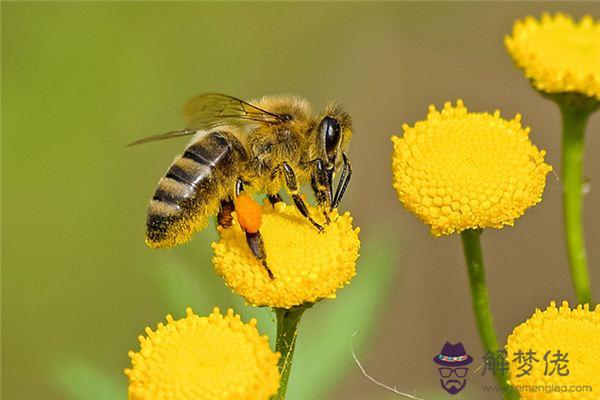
(453, 371)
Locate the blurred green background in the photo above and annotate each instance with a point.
(80, 80)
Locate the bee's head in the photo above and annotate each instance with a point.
(334, 131)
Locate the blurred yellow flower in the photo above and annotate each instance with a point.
(203, 358)
(459, 170)
(558, 54)
(307, 265)
(576, 334)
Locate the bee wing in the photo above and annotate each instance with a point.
(163, 136)
(214, 109)
(208, 111)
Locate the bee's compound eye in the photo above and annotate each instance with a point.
(330, 130)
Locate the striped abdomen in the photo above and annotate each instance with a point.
(192, 188)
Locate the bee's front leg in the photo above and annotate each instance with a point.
(292, 185)
(320, 181)
(344, 181)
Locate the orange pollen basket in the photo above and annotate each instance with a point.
(249, 213)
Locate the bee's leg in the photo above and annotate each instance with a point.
(292, 185)
(257, 247)
(274, 198)
(224, 217)
(254, 240)
(321, 184)
(344, 181)
(239, 187)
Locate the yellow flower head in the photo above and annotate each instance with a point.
(307, 265)
(558, 54)
(459, 170)
(200, 358)
(576, 334)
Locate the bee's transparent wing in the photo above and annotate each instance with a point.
(211, 110)
(163, 136)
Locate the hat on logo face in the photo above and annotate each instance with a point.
(453, 355)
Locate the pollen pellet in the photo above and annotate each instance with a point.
(249, 213)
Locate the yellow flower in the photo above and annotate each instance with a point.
(459, 170)
(558, 54)
(307, 265)
(575, 333)
(200, 358)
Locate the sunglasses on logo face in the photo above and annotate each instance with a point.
(459, 372)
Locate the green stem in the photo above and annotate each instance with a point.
(287, 332)
(481, 305)
(574, 122)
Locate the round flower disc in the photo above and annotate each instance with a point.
(566, 344)
(459, 170)
(307, 265)
(558, 54)
(203, 358)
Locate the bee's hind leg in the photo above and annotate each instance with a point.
(254, 239)
(257, 247)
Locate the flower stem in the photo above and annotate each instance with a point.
(574, 122)
(287, 332)
(481, 305)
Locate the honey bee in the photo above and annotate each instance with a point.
(240, 147)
